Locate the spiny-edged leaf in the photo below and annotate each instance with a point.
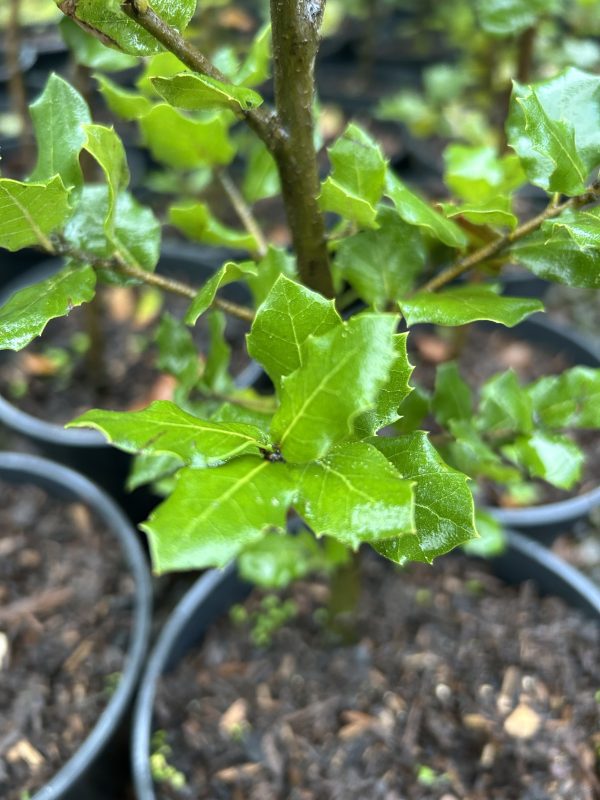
(123, 102)
(204, 299)
(198, 223)
(510, 17)
(30, 211)
(256, 67)
(106, 147)
(391, 395)
(382, 265)
(492, 539)
(59, 115)
(115, 28)
(444, 511)
(357, 177)
(136, 232)
(215, 514)
(201, 93)
(416, 211)
(277, 559)
(215, 374)
(413, 410)
(471, 455)
(452, 396)
(569, 400)
(177, 353)
(163, 427)
(464, 304)
(90, 52)
(261, 179)
(289, 315)
(147, 469)
(340, 377)
(183, 143)
(505, 406)
(355, 495)
(276, 262)
(27, 312)
(550, 456)
(478, 174)
(493, 211)
(554, 127)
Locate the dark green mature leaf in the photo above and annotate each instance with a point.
(357, 177)
(183, 143)
(452, 396)
(289, 315)
(163, 427)
(505, 406)
(215, 514)
(478, 174)
(554, 127)
(90, 52)
(228, 273)
(59, 115)
(444, 511)
(464, 304)
(123, 102)
(177, 353)
(30, 211)
(27, 312)
(201, 93)
(510, 17)
(570, 400)
(382, 265)
(415, 211)
(550, 456)
(197, 222)
(117, 30)
(340, 377)
(277, 262)
(355, 495)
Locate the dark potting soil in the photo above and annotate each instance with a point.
(458, 687)
(66, 600)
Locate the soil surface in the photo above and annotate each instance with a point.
(457, 688)
(66, 603)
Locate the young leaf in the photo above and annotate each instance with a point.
(277, 262)
(511, 17)
(215, 514)
(30, 211)
(570, 400)
(204, 299)
(164, 428)
(59, 115)
(262, 178)
(554, 127)
(382, 265)
(106, 147)
(505, 406)
(452, 396)
(151, 468)
(471, 455)
(201, 93)
(197, 222)
(494, 211)
(444, 511)
(415, 211)
(464, 304)
(90, 52)
(355, 495)
(289, 315)
(177, 353)
(478, 174)
(27, 312)
(550, 456)
(123, 102)
(256, 67)
(314, 413)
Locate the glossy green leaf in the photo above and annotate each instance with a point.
(357, 178)
(478, 174)
(27, 312)
(198, 224)
(290, 314)
(452, 396)
(356, 496)
(164, 65)
(256, 67)
(123, 102)
(494, 211)
(416, 211)
(229, 412)
(276, 262)
(106, 147)
(549, 456)
(511, 17)
(505, 406)
(147, 469)
(183, 143)
(59, 115)
(228, 273)
(464, 304)
(201, 93)
(90, 52)
(177, 353)
(382, 265)
(554, 127)
(340, 377)
(569, 400)
(215, 514)
(30, 211)
(444, 511)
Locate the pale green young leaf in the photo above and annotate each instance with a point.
(464, 304)
(493, 211)
(276, 262)
(340, 377)
(283, 323)
(30, 211)
(27, 312)
(444, 511)
(257, 64)
(569, 400)
(452, 396)
(147, 469)
(90, 52)
(215, 514)
(201, 93)
(198, 224)
(215, 374)
(505, 407)
(261, 179)
(492, 539)
(511, 17)
(228, 273)
(550, 456)
(177, 352)
(123, 102)
(478, 174)
(471, 455)
(107, 148)
(164, 65)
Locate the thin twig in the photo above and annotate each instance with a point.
(244, 212)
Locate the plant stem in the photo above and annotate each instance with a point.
(243, 211)
(296, 25)
(18, 95)
(503, 242)
(95, 357)
(525, 53)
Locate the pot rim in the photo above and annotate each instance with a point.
(66, 483)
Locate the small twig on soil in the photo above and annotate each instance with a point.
(43, 602)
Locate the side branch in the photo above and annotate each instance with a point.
(502, 243)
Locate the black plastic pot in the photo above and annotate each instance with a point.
(215, 592)
(94, 771)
